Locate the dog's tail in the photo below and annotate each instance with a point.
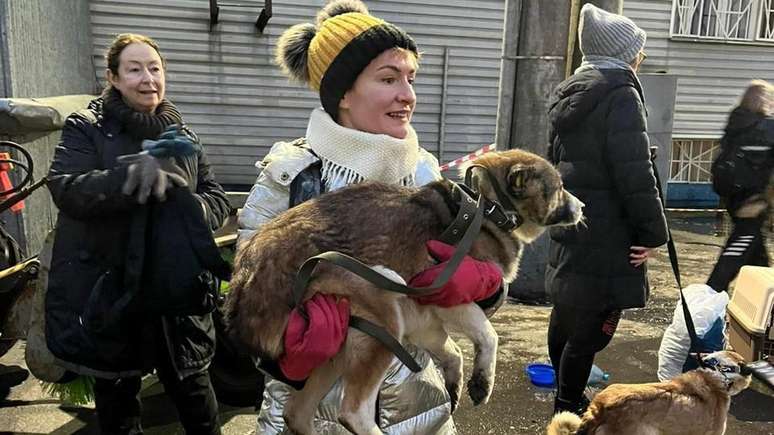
(564, 423)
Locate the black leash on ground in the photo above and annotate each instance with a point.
(676, 266)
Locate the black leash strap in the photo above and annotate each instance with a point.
(673, 260)
(468, 208)
(468, 222)
(388, 340)
(361, 269)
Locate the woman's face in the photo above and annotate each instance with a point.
(140, 77)
(382, 98)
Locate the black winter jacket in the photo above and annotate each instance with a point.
(600, 146)
(745, 129)
(99, 254)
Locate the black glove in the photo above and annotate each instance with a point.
(147, 174)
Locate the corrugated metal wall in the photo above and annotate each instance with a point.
(45, 50)
(239, 103)
(39, 34)
(711, 75)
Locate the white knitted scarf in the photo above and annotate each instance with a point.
(352, 156)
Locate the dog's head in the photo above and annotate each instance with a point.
(730, 367)
(533, 188)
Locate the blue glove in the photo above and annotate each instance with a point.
(173, 142)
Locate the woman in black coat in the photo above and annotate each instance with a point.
(98, 321)
(749, 134)
(600, 146)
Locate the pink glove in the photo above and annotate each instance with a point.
(311, 341)
(473, 280)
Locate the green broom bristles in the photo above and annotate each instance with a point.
(79, 391)
(224, 288)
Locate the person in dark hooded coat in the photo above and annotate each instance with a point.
(600, 145)
(750, 133)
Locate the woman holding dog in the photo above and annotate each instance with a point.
(749, 133)
(112, 201)
(599, 143)
(364, 70)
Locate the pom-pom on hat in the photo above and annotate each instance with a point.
(602, 33)
(330, 55)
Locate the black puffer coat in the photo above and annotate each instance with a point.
(746, 128)
(600, 146)
(100, 248)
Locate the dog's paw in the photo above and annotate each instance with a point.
(479, 388)
(454, 390)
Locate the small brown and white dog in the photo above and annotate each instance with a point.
(694, 403)
(387, 227)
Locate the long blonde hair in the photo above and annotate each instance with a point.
(757, 98)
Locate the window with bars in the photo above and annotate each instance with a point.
(766, 25)
(732, 20)
(691, 160)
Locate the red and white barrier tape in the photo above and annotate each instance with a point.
(471, 156)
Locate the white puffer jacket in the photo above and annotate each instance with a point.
(409, 403)
(270, 195)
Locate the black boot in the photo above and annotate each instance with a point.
(576, 407)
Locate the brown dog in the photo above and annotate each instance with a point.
(386, 227)
(695, 402)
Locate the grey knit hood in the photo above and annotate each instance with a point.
(602, 33)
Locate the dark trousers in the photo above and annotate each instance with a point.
(745, 246)
(118, 402)
(574, 337)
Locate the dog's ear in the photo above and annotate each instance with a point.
(518, 176)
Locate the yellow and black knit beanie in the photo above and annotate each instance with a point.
(329, 56)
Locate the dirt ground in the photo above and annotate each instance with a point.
(516, 406)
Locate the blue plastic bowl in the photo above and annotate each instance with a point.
(541, 375)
